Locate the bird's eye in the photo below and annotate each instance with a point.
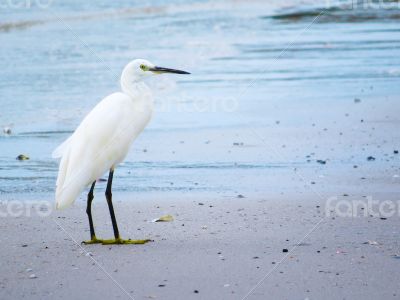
(143, 67)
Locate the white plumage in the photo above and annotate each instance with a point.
(102, 141)
(105, 135)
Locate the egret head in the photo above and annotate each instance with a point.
(140, 68)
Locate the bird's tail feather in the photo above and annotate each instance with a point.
(66, 195)
(61, 149)
(70, 183)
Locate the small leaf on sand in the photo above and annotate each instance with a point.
(166, 218)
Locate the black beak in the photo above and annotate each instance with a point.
(167, 70)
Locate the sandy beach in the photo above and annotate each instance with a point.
(214, 249)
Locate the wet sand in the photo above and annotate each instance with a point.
(216, 248)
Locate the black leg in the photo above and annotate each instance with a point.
(110, 205)
(89, 211)
(93, 239)
(117, 239)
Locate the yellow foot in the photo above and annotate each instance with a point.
(94, 240)
(120, 241)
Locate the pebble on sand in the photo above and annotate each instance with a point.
(7, 130)
(22, 157)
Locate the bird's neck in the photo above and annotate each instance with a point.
(134, 87)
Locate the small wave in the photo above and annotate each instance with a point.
(145, 11)
(342, 14)
(26, 178)
(217, 165)
(303, 14)
(5, 27)
(45, 133)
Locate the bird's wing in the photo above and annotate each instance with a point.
(93, 148)
(60, 150)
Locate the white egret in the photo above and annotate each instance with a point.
(103, 139)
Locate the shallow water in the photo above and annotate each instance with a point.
(262, 75)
